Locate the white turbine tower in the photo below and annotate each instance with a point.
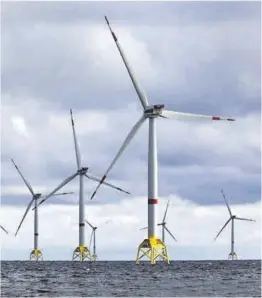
(81, 251)
(152, 247)
(232, 255)
(3, 229)
(36, 253)
(93, 236)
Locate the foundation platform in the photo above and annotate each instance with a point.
(153, 249)
(232, 256)
(82, 253)
(36, 255)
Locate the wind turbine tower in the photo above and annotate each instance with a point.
(152, 247)
(94, 238)
(232, 255)
(36, 253)
(81, 252)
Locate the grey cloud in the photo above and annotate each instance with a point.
(176, 165)
(55, 63)
(167, 13)
(204, 186)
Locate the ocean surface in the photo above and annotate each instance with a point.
(108, 279)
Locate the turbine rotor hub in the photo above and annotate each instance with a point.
(37, 196)
(82, 171)
(153, 111)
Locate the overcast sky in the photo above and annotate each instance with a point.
(200, 57)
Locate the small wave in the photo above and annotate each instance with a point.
(43, 291)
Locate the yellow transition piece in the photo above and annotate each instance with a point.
(36, 255)
(82, 253)
(152, 248)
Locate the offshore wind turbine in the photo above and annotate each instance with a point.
(36, 253)
(81, 252)
(94, 239)
(3, 229)
(152, 247)
(232, 255)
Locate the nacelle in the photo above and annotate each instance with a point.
(159, 107)
(82, 171)
(154, 110)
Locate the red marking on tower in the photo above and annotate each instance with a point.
(216, 118)
(152, 201)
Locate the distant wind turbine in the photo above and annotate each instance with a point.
(152, 247)
(94, 239)
(163, 224)
(232, 255)
(36, 253)
(81, 252)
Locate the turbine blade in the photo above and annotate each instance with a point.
(141, 94)
(164, 218)
(26, 182)
(229, 210)
(222, 228)
(63, 193)
(247, 219)
(170, 233)
(24, 216)
(91, 239)
(92, 177)
(89, 224)
(78, 157)
(143, 228)
(175, 115)
(3, 229)
(66, 181)
(121, 150)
